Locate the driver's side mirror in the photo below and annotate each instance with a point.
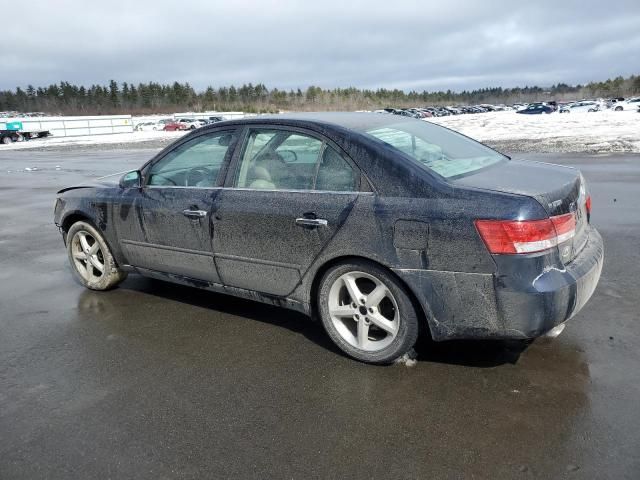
(131, 179)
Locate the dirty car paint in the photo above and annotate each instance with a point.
(403, 217)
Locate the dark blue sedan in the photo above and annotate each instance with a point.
(381, 226)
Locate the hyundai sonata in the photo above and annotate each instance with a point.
(381, 226)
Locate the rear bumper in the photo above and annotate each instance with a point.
(521, 304)
(531, 309)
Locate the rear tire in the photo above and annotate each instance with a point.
(367, 312)
(91, 260)
(618, 109)
(6, 140)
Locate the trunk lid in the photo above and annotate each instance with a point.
(557, 188)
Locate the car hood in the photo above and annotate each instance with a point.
(102, 182)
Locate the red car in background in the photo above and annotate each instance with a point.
(173, 126)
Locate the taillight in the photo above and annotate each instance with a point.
(587, 204)
(526, 236)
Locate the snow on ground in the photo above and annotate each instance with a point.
(596, 132)
(116, 138)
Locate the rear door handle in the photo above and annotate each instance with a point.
(311, 222)
(194, 213)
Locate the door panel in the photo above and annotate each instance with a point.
(268, 277)
(259, 245)
(174, 243)
(165, 225)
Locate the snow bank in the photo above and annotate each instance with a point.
(605, 131)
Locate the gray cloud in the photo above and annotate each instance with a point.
(393, 44)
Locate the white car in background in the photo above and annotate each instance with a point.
(149, 126)
(629, 104)
(192, 123)
(585, 106)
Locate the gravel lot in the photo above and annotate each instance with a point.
(156, 381)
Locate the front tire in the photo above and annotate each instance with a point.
(367, 312)
(91, 260)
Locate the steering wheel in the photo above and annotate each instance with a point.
(270, 156)
(201, 172)
(293, 156)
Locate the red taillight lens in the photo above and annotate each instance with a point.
(565, 226)
(587, 204)
(526, 236)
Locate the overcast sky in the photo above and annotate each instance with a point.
(419, 45)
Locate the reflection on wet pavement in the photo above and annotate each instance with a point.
(154, 380)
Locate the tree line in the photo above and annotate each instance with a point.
(146, 98)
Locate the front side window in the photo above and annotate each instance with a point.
(284, 160)
(443, 151)
(195, 163)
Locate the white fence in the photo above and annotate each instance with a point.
(74, 126)
(191, 115)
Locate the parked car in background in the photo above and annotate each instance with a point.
(630, 104)
(173, 126)
(381, 226)
(537, 108)
(192, 123)
(149, 126)
(584, 106)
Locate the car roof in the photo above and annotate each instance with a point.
(359, 121)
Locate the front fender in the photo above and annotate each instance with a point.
(94, 206)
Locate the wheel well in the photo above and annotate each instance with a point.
(315, 286)
(81, 217)
(78, 217)
(73, 218)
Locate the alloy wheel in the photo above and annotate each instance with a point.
(88, 257)
(364, 311)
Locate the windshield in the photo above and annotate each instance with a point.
(443, 151)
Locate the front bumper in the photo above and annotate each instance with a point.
(521, 303)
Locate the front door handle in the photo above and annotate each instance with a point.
(194, 213)
(311, 222)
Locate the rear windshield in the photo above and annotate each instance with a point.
(443, 151)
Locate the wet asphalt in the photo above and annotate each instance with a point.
(153, 380)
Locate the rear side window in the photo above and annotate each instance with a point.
(285, 160)
(443, 151)
(334, 173)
